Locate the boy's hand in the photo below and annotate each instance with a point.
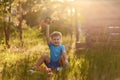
(66, 62)
(46, 22)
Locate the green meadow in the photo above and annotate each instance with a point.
(89, 64)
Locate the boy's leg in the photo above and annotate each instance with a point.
(63, 61)
(43, 59)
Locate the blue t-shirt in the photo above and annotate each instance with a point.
(55, 51)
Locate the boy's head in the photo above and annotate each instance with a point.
(56, 38)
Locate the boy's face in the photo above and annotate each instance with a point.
(56, 40)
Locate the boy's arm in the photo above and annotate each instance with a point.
(47, 34)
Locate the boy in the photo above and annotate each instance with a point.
(58, 56)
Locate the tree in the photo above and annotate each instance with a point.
(22, 8)
(6, 4)
(20, 18)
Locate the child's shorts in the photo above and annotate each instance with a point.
(53, 64)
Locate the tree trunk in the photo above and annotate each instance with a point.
(6, 30)
(20, 31)
(20, 24)
(77, 32)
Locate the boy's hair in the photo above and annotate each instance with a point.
(56, 33)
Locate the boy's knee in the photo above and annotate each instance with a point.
(46, 58)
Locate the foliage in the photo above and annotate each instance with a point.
(92, 64)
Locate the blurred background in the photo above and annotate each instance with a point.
(91, 34)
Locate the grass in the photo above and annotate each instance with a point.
(93, 64)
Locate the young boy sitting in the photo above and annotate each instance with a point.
(58, 55)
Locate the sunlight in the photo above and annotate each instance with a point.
(63, 0)
(70, 0)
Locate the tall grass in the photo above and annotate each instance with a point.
(90, 65)
(93, 64)
(103, 64)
